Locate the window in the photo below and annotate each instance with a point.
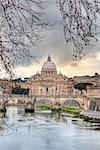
(52, 91)
(41, 91)
(46, 89)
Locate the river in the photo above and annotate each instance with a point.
(42, 131)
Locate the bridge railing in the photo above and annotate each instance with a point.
(58, 96)
(94, 96)
(45, 96)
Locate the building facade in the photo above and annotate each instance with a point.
(49, 83)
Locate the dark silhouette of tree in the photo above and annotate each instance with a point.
(21, 24)
(19, 90)
(80, 23)
(82, 86)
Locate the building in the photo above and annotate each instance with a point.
(50, 83)
(82, 79)
(93, 91)
(95, 79)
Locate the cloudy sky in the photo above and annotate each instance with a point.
(54, 44)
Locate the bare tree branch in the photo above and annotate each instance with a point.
(80, 23)
(21, 25)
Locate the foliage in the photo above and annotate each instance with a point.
(19, 90)
(46, 107)
(74, 111)
(82, 86)
(18, 80)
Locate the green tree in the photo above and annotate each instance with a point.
(82, 86)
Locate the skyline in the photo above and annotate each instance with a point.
(23, 71)
(54, 44)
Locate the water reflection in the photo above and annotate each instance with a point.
(44, 131)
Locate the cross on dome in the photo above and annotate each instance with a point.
(49, 58)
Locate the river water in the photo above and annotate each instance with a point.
(42, 131)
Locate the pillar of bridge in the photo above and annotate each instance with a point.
(86, 103)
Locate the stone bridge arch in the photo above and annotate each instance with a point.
(71, 103)
(94, 104)
(44, 101)
(20, 101)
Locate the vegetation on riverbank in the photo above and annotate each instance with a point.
(73, 111)
(90, 119)
(2, 110)
(46, 107)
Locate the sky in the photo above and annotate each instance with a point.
(53, 44)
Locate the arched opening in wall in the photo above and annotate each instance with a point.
(20, 101)
(71, 104)
(95, 104)
(44, 104)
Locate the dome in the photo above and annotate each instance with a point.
(49, 66)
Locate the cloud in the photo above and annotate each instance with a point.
(53, 43)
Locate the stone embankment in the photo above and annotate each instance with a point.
(91, 116)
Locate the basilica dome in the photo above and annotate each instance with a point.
(49, 66)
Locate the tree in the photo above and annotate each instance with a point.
(19, 90)
(21, 22)
(80, 20)
(82, 86)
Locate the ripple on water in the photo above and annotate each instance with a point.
(45, 132)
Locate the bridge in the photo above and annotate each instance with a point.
(79, 102)
(82, 101)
